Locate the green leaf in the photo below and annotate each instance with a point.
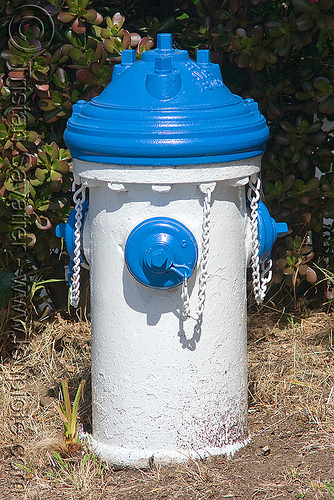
(21, 147)
(62, 167)
(57, 97)
(304, 22)
(9, 185)
(44, 158)
(82, 4)
(64, 154)
(43, 207)
(289, 260)
(97, 31)
(41, 174)
(75, 54)
(327, 106)
(287, 127)
(321, 83)
(300, 185)
(329, 208)
(46, 105)
(290, 243)
(60, 78)
(118, 45)
(75, 407)
(55, 176)
(302, 5)
(109, 45)
(66, 17)
(54, 150)
(17, 61)
(93, 17)
(182, 17)
(35, 183)
(312, 184)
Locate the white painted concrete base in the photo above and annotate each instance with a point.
(128, 457)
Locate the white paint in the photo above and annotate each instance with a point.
(126, 457)
(116, 187)
(186, 174)
(159, 387)
(160, 188)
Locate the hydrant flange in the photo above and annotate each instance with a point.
(161, 252)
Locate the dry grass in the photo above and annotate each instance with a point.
(291, 370)
(292, 367)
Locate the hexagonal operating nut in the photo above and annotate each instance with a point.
(159, 258)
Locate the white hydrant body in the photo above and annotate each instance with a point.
(161, 387)
(166, 152)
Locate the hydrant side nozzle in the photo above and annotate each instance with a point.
(268, 231)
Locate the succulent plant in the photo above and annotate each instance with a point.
(42, 74)
(294, 266)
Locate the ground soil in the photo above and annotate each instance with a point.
(291, 421)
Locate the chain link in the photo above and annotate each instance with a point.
(207, 190)
(79, 199)
(261, 271)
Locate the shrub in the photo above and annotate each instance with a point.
(281, 54)
(57, 52)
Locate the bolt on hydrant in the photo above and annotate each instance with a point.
(170, 159)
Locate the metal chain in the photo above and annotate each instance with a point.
(261, 271)
(78, 198)
(207, 190)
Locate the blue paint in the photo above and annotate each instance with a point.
(268, 231)
(166, 110)
(160, 252)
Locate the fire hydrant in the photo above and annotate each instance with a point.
(170, 158)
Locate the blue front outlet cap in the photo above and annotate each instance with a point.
(161, 252)
(166, 110)
(268, 231)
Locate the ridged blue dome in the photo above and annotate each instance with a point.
(166, 110)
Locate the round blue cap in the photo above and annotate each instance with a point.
(166, 110)
(161, 252)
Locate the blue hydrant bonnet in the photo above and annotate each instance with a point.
(166, 110)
